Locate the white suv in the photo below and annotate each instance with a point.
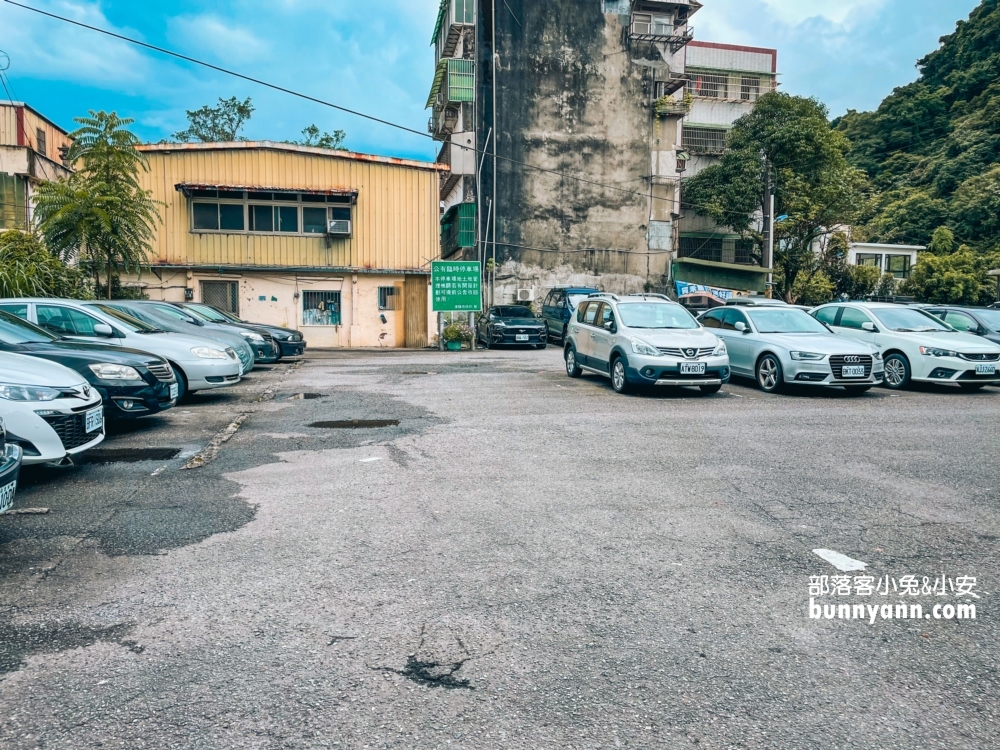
(915, 345)
(644, 340)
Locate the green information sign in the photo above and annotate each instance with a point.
(457, 286)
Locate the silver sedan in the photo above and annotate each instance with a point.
(780, 345)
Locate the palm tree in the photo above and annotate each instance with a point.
(100, 216)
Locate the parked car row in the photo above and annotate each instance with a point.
(66, 365)
(648, 340)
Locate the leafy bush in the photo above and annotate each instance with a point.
(27, 269)
(458, 332)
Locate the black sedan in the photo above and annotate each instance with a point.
(10, 466)
(132, 383)
(513, 325)
(287, 341)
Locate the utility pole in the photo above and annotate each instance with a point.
(769, 224)
(493, 62)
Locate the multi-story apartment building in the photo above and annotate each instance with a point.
(725, 82)
(583, 179)
(32, 149)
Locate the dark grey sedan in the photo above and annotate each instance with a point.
(512, 325)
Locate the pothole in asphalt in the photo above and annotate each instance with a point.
(355, 424)
(129, 455)
(21, 641)
(302, 396)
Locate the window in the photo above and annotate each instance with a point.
(224, 295)
(20, 311)
(65, 321)
(827, 315)
(749, 88)
(266, 212)
(853, 318)
(591, 314)
(558, 299)
(607, 315)
(712, 319)
(865, 259)
(703, 248)
(731, 317)
(13, 202)
(40, 142)
(710, 85)
(898, 266)
(961, 322)
(387, 298)
(321, 308)
(704, 140)
(217, 216)
(314, 220)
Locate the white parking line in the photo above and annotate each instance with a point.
(369, 460)
(839, 561)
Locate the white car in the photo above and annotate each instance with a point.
(915, 345)
(48, 410)
(199, 363)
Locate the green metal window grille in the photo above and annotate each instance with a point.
(13, 202)
(458, 228)
(461, 80)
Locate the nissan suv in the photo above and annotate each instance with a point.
(644, 340)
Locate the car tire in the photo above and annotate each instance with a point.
(972, 387)
(770, 377)
(897, 372)
(277, 353)
(572, 368)
(488, 341)
(857, 390)
(709, 390)
(182, 384)
(619, 376)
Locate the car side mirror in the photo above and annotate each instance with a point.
(103, 329)
(742, 327)
(610, 326)
(870, 327)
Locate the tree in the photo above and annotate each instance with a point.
(311, 136)
(27, 269)
(956, 279)
(862, 281)
(219, 124)
(942, 242)
(886, 286)
(790, 138)
(100, 217)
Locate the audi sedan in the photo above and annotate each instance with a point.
(777, 346)
(511, 325)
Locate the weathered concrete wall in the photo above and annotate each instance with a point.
(568, 101)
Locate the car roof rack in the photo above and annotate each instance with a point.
(647, 295)
(598, 295)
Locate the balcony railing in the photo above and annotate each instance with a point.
(454, 16)
(667, 106)
(648, 28)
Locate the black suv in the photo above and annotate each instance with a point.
(132, 383)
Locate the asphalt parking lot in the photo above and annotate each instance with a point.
(458, 550)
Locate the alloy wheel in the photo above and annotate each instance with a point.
(895, 372)
(768, 374)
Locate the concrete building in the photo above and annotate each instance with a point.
(32, 149)
(725, 81)
(334, 243)
(898, 260)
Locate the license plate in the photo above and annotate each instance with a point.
(95, 419)
(692, 368)
(7, 496)
(175, 390)
(521, 337)
(986, 369)
(852, 372)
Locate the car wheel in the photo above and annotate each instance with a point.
(619, 378)
(572, 368)
(897, 372)
(972, 386)
(488, 341)
(708, 390)
(182, 384)
(770, 378)
(857, 390)
(277, 352)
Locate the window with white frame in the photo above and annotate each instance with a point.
(387, 298)
(256, 212)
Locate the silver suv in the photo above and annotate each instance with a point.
(644, 340)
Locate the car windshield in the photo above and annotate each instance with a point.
(576, 299)
(209, 313)
(134, 313)
(169, 311)
(787, 320)
(655, 315)
(13, 330)
(132, 324)
(991, 318)
(908, 320)
(514, 312)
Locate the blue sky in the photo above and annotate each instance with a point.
(375, 56)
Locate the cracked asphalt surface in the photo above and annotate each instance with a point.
(514, 560)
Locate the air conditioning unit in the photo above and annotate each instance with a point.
(526, 295)
(339, 227)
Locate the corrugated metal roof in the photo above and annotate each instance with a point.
(440, 19)
(292, 148)
(184, 186)
(439, 74)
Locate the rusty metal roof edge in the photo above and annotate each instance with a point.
(346, 192)
(216, 268)
(293, 148)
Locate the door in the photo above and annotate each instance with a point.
(603, 339)
(415, 312)
(582, 328)
(742, 346)
(223, 295)
(961, 322)
(851, 324)
(72, 323)
(552, 311)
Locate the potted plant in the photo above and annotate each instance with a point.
(457, 334)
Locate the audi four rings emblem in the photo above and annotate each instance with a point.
(852, 360)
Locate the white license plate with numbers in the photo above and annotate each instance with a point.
(521, 337)
(986, 369)
(94, 420)
(175, 390)
(692, 368)
(7, 496)
(853, 371)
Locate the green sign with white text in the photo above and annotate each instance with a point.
(457, 286)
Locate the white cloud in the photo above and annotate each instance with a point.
(223, 40)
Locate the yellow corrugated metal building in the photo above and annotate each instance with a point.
(334, 243)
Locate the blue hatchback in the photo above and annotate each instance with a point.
(559, 306)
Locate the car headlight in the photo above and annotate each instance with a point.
(281, 336)
(720, 350)
(28, 393)
(930, 351)
(206, 352)
(251, 336)
(807, 356)
(646, 350)
(115, 372)
(499, 324)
